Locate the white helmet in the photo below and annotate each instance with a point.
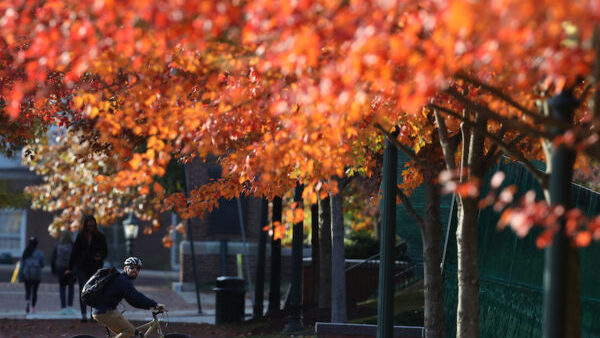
(133, 261)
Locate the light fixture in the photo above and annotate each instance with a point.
(130, 228)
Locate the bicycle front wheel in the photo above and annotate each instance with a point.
(176, 335)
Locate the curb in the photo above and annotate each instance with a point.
(186, 316)
(149, 273)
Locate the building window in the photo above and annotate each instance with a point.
(12, 231)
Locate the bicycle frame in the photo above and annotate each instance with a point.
(151, 326)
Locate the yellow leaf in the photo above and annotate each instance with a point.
(135, 162)
(77, 102)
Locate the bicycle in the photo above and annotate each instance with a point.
(149, 328)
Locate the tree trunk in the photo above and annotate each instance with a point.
(562, 307)
(573, 293)
(274, 290)
(314, 243)
(431, 235)
(261, 255)
(467, 313)
(294, 323)
(338, 271)
(325, 253)
(387, 243)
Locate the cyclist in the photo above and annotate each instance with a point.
(120, 288)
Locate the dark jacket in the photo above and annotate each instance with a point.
(59, 271)
(83, 253)
(121, 288)
(37, 256)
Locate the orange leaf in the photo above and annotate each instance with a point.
(278, 231)
(180, 228)
(158, 189)
(167, 241)
(583, 239)
(298, 215)
(544, 239)
(505, 218)
(144, 190)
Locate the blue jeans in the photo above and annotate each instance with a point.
(82, 277)
(63, 295)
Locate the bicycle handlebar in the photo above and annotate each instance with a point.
(156, 312)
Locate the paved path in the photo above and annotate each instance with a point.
(147, 277)
(12, 304)
(181, 305)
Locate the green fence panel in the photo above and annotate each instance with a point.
(407, 227)
(511, 270)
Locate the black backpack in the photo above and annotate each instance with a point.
(32, 269)
(94, 287)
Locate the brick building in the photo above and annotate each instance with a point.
(17, 225)
(220, 232)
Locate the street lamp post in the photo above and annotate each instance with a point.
(131, 232)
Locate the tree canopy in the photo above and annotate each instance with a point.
(298, 91)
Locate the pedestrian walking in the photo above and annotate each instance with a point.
(61, 255)
(30, 273)
(87, 256)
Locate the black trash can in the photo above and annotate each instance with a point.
(230, 300)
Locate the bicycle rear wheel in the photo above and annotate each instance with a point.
(176, 335)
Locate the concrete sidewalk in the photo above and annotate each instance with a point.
(147, 277)
(181, 305)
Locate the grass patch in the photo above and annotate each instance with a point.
(408, 308)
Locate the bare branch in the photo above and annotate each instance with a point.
(465, 128)
(585, 92)
(445, 141)
(492, 154)
(499, 94)
(488, 113)
(508, 149)
(410, 209)
(595, 102)
(476, 162)
(421, 162)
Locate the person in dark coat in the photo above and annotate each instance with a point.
(30, 272)
(89, 252)
(61, 255)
